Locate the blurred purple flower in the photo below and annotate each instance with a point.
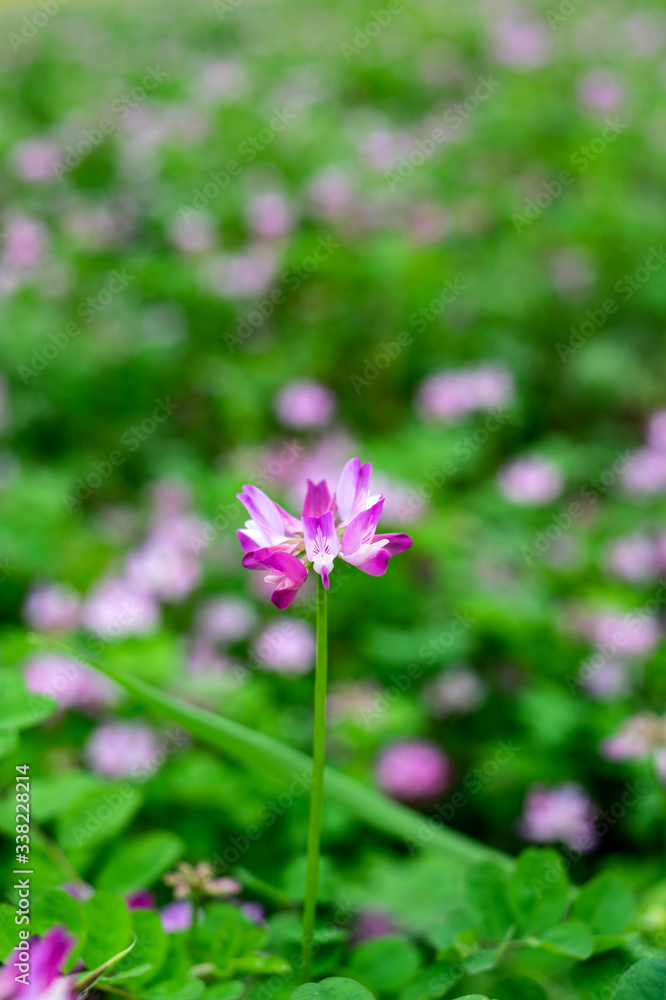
(600, 90)
(269, 215)
(80, 891)
(195, 235)
(373, 924)
(254, 912)
(286, 647)
(114, 608)
(163, 572)
(413, 770)
(639, 736)
(170, 498)
(560, 814)
(177, 916)
(122, 749)
(25, 243)
(656, 431)
(222, 79)
(608, 681)
(630, 634)
(634, 558)
(68, 682)
(428, 222)
(305, 404)
(242, 275)
(140, 899)
(530, 480)
(47, 956)
(382, 147)
(520, 42)
(331, 193)
(225, 620)
(455, 691)
(645, 472)
(35, 159)
(52, 608)
(450, 395)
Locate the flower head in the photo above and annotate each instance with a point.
(341, 524)
(47, 955)
(413, 770)
(562, 813)
(198, 880)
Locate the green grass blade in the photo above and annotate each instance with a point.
(272, 758)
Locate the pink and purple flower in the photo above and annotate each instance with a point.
(343, 524)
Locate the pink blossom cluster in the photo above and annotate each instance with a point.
(560, 814)
(450, 395)
(640, 736)
(530, 480)
(645, 472)
(413, 770)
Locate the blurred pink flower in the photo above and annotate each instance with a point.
(269, 215)
(600, 90)
(177, 916)
(373, 924)
(530, 480)
(68, 682)
(520, 42)
(114, 609)
(608, 681)
(122, 749)
(286, 647)
(645, 472)
(630, 634)
(34, 159)
(305, 404)
(382, 147)
(203, 658)
(163, 572)
(48, 955)
(455, 691)
(194, 235)
(560, 814)
(24, 244)
(242, 275)
(656, 431)
(428, 222)
(331, 193)
(634, 557)
(572, 269)
(449, 395)
(52, 608)
(413, 770)
(225, 619)
(639, 736)
(222, 79)
(170, 498)
(140, 899)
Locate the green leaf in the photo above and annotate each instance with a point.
(57, 907)
(572, 938)
(140, 862)
(19, 708)
(387, 962)
(261, 965)
(7, 930)
(605, 904)
(598, 976)
(51, 797)
(225, 991)
(443, 934)
(486, 892)
(109, 928)
(433, 981)
(91, 977)
(152, 945)
(98, 816)
(644, 981)
(174, 989)
(472, 996)
(8, 742)
(484, 960)
(608, 942)
(519, 989)
(332, 989)
(273, 759)
(538, 890)
(138, 970)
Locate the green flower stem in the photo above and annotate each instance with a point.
(317, 787)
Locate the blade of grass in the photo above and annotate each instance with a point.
(270, 757)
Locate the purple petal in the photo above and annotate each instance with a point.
(48, 955)
(375, 562)
(288, 565)
(317, 500)
(397, 542)
(320, 536)
(257, 558)
(346, 489)
(263, 512)
(362, 528)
